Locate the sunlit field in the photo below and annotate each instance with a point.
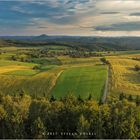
(81, 81)
(125, 79)
(47, 76)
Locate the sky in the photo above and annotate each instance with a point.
(70, 17)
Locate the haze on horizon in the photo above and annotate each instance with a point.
(70, 17)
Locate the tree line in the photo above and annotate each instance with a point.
(48, 53)
(70, 117)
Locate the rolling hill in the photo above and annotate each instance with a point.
(76, 42)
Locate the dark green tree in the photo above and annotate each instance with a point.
(38, 129)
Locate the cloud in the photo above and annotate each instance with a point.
(126, 26)
(42, 27)
(135, 14)
(109, 13)
(118, 5)
(69, 16)
(19, 9)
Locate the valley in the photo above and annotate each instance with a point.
(53, 71)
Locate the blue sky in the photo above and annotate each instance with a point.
(70, 17)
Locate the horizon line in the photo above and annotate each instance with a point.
(69, 35)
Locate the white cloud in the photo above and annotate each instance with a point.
(19, 9)
(118, 5)
(77, 16)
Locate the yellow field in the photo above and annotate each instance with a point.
(124, 77)
(37, 85)
(69, 60)
(6, 69)
(18, 76)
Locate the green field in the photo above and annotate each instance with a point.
(53, 75)
(81, 81)
(29, 72)
(128, 52)
(35, 73)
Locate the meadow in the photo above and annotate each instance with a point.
(81, 81)
(47, 76)
(49, 71)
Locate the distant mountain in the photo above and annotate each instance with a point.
(41, 37)
(92, 43)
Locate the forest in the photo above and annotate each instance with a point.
(70, 117)
(86, 43)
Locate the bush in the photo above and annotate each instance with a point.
(104, 60)
(137, 67)
(37, 67)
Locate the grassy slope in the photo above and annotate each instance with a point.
(81, 81)
(17, 76)
(37, 85)
(22, 72)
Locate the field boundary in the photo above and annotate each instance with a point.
(106, 86)
(54, 83)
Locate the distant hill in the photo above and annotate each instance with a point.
(42, 37)
(5, 43)
(91, 43)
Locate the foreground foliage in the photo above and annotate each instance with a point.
(23, 117)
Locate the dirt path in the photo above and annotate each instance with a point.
(106, 86)
(55, 80)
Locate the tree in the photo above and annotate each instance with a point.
(52, 99)
(130, 98)
(80, 99)
(2, 122)
(89, 97)
(120, 126)
(137, 67)
(36, 67)
(38, 129)
(83, 127)
(121, 96)
(138, 100)
(104, 60)
(14, 58)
